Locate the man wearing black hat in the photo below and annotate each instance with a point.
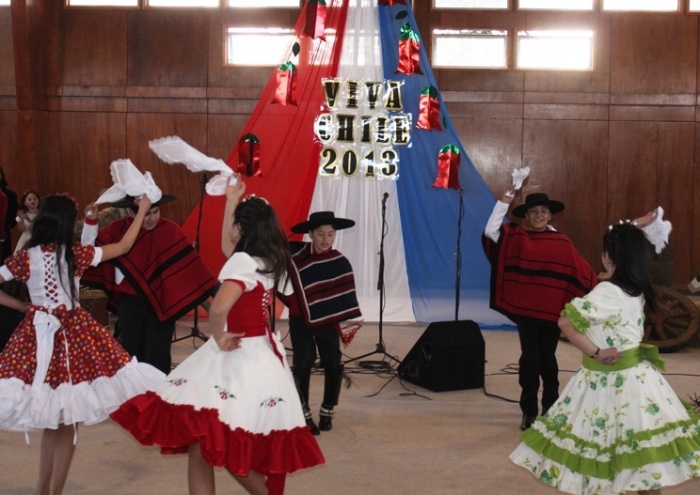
(158, 281)
(324, 296)
(535, 271)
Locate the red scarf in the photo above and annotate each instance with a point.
(534, 274)
(162, 266)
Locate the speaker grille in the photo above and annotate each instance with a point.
(450, 355)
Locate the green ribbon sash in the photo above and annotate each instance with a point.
(630, 358)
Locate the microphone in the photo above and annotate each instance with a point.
(384, 198)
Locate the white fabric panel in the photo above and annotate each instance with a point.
(359, 198)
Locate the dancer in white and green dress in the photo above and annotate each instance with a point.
(617, 427)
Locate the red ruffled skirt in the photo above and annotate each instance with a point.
(242, 407)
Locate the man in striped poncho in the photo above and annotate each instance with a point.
(324, 297)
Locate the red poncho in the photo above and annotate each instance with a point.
(162, 267)
(534, 274)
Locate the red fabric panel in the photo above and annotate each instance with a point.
(289, 151)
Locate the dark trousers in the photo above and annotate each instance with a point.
(538, 346)
(142, 334)
(305, 341)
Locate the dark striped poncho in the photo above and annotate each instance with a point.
(324, 286)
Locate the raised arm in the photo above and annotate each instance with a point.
(647, 219)
(229, 235)
(116, 249)
(90, 225)
(493, 225)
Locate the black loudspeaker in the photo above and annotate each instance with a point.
(450, 355)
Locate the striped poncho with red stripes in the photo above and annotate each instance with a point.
(324, 286)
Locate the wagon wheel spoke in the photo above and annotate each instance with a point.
(679, 321)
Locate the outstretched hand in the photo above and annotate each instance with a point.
(234, 192)
(508, 195)
(647, 219)
(91, 211)
(144, 203)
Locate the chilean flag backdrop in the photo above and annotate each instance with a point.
(367, 41)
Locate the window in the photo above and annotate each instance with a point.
(183, 3)
(560, 50)
(102, 3)
(555, 4)
(641, 5)
(270, 45)
(252, 4)
(471, 4)
(4, 3)
(470, 48)
(694, 6)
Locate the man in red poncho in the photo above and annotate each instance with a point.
(535, 271)
(158, 281)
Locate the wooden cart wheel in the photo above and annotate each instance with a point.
(679, 318)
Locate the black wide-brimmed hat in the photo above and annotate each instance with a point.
(537, 199)
(322, 218)
(128, 201)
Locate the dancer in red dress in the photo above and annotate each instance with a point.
(61, 367)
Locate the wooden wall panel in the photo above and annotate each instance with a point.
(654, 54)
(7, 61)
(81, 169)
(651, 164)
(568, 161)
(168, 47)
(494, 146)
(691, 211)
(172, 179)
(8, 145)
(94, 47)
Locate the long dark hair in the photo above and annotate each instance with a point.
(262, 236)
(628, 249)
(55, 225)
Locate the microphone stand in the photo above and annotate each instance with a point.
(458, 254)
(381, 348)
(194, 331)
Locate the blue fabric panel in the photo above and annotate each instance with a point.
(430, 216)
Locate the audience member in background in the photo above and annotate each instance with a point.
(25, 216)
(9, 217)
(153, 285)
(535, 271)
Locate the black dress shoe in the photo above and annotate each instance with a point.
(312, 426)
(527, 421)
